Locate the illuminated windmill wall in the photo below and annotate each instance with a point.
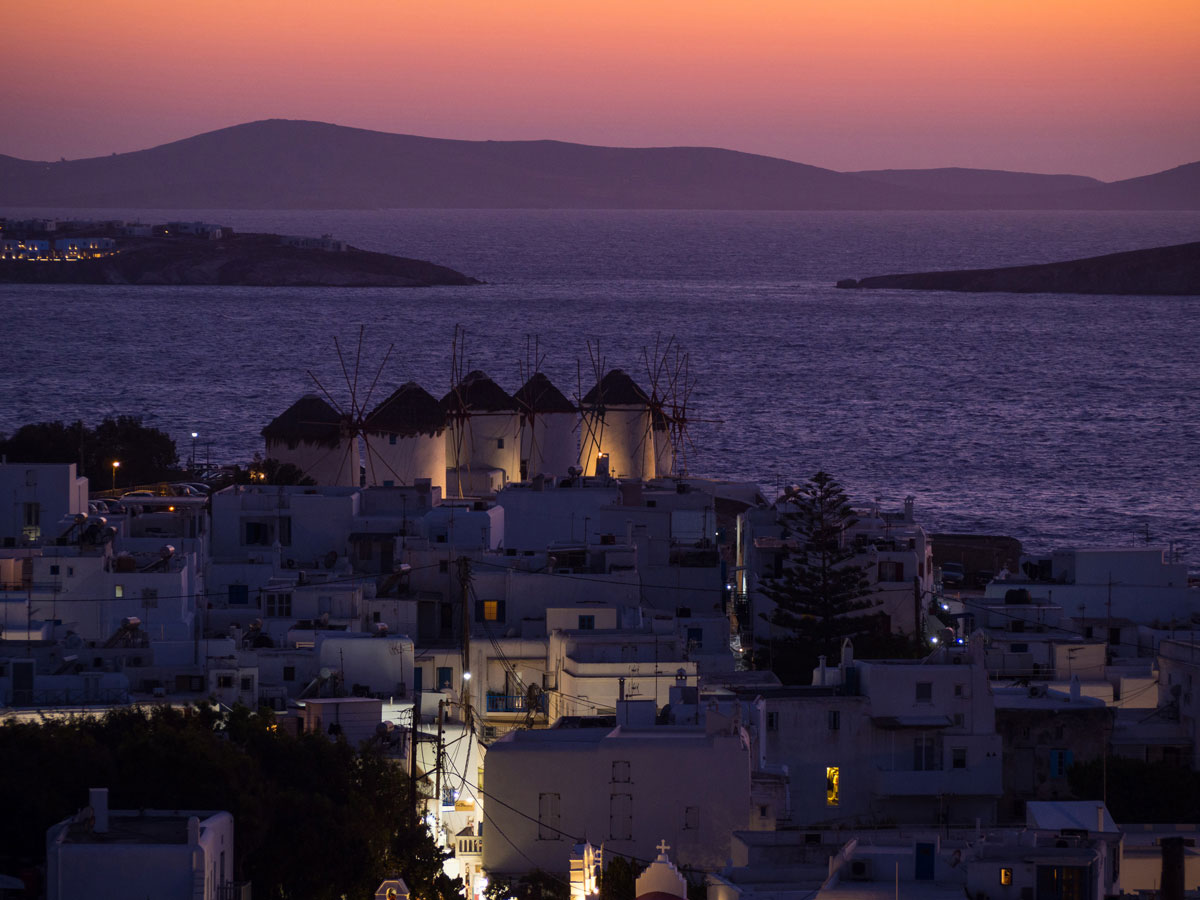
(310, 435)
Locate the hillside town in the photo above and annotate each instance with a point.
(578, 650)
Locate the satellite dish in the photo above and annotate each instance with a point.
(324, 674)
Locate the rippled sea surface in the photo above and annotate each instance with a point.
(1062, 420)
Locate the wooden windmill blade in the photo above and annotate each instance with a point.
(527, 372)
(457, 413)
(591, 413)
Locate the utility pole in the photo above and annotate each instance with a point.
(437, 768)
(412, 756)
(464, 582)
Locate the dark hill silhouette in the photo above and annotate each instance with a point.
(1173, 270)
(294, 164)
(980, 182)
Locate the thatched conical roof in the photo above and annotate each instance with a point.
(478, 393)
(539, 395)
(410, 410)
(616, 389)
(310, 420)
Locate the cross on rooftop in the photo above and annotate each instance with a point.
(663, 846)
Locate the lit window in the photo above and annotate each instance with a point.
(1006, 877)
(119, 591)
(491, 610)
(832, 785)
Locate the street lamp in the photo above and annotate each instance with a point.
(116, 465)
(195, 434)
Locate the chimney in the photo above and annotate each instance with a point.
(193, 827)
(847, 657)
(1100, 818)
(1075, 699)
(821, 671)
(621, 688)
(908, 508)
(98, 800)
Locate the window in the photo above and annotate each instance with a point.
(392, 440)
(489, 610)
(587, 623)
(620, 817)
(925, 754)
(832, 786)
(695, 638)
(620, 770)
(499, 443)
(924, 691)
(1005, 877)
(119, 591)
(257, 534)
(32, 520)
(957, 719)
(247, 683)
(548, 805)
(289, 673)
(239, 594)
(285, 531)
(959, 689)
(445, 679)
(958, 758)
(1018, 648)
(1060, 761)
(279, 605)
(224, 681)
(835, 719)
(1017, 626)
(691, 818)
(54, 570)
(891, 570)
(772, 721)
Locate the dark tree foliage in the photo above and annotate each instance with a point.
(619, 880)
(821, 595)
(313, 818)
(270, 471)
(146, 454)
(1139, 791)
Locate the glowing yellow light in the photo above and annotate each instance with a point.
(832, 785)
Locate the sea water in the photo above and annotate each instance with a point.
(1062, 420)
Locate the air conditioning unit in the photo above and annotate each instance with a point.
(859, 870)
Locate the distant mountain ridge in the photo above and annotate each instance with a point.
(287, 164)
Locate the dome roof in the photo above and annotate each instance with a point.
(410, 410)
(616, 388)
(310, 420)
(478, 393)
(539, 395)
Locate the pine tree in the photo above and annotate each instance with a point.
(821, 596)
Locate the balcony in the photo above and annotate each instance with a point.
(516, 703)
(468, 845)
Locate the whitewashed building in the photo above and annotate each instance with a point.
(115, 854)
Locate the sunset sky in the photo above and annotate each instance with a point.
(1108, 88)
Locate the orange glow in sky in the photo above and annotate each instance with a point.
(1109, 88)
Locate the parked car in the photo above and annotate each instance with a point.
(953, 573)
